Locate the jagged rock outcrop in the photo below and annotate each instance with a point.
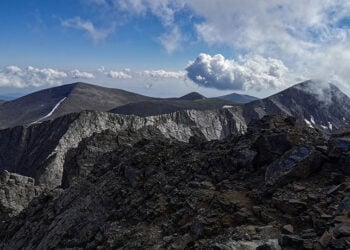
(39, 150)
(16, 192)
(140, 189)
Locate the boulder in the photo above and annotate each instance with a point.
(291, 242)
(298, 162)
(342, 230)
(16, 191)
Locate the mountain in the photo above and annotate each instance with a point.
(192, 96)
(54, 102)
(262, 175)
(321, 105)
(281, 185)
(166, 106)
(238, 98)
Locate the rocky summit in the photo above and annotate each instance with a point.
(280, 185)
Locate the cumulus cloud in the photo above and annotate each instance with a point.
(80, 74)
(97, 35)
(13, 76)
(249, 72)
(118, 74)
(301, 34)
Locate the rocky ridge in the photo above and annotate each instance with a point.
(281, 185)
(39, 150)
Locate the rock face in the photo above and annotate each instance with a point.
(137, 188)
(39, 151)
(16, 192)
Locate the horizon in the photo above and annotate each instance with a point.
(171, 48)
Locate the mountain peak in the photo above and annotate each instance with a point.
(320, 104)
(192, 96)
(239, 98)
(315, 85)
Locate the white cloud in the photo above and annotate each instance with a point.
(171, 41)
(307, 36)
(270, 27)
(164, 74)
(13, 76)
(300, 33)
(118, 74)
(164, 10)
(249, 72)
(97, 35)
(80, 74)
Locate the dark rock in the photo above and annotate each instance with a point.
(342, 230)
(134, 175)
(299, 162)
(264, 247)
(291, 242)
(308, 234)
(344, 205)
(338, 244)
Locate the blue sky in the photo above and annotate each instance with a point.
(171, 47)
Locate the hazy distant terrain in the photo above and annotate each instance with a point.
(54, 102)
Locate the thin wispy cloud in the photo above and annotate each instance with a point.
(96, 34)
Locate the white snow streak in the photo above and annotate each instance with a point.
(51, 112)
(312, 120)
(308, 123)
(330, 125)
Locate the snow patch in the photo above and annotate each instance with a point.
(324, 127)
(308, 123)
(227, 106)
(51, 112)
(312, 120)
(330, 126)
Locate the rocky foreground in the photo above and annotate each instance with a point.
(281, 185)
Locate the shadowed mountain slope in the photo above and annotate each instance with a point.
(54, 102)
(238, 98)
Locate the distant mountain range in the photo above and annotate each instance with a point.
(321, 105)
(9, 97)
(54, 102)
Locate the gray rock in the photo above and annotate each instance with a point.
(288, 229)
(16, 191)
